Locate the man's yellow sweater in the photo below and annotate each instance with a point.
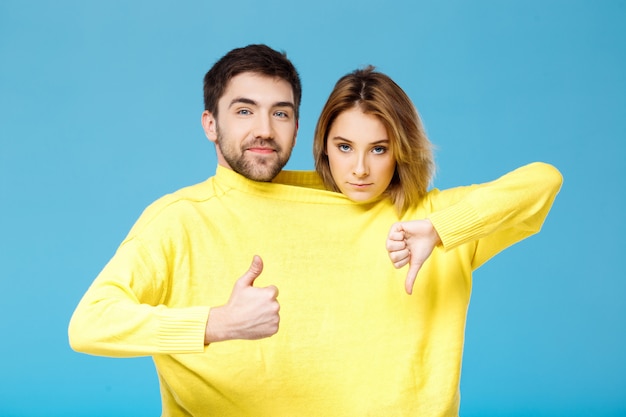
(351, 341)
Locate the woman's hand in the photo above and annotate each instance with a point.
(411, 243)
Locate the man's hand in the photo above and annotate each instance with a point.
(250, 313)
(411, 243)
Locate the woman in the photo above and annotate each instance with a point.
(375, 100)
(370, 145)
(370, 142)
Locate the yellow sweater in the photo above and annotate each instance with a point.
(351, 341)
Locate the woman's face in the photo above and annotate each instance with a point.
(361, 161)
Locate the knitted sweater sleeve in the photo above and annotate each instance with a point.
(123, 313)
(497, 214)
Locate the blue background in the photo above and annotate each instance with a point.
(100, 107)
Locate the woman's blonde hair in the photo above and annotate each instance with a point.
(377, 94)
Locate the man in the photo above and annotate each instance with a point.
(258, 121)
(350, 342)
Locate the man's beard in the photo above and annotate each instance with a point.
(254, 167)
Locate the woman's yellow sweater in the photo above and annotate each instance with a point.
(351, 341)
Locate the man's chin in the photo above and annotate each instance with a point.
(264, 173)
(262, 177)
(258, 167)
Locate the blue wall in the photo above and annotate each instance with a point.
(100, 107)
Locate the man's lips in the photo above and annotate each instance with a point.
(261, 150)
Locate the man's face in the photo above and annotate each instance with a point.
(255, 130)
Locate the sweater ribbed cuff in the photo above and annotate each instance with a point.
(457, 224)
(182, 329)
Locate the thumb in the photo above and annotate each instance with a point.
(256, 267)
(411, 276)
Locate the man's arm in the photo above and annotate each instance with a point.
(123, 312)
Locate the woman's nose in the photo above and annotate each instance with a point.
(360, 168)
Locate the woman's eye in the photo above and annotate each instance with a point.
(378, 150)
(344, 148)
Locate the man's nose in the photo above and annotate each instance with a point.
(263, 127)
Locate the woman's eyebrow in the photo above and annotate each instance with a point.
(376, 142)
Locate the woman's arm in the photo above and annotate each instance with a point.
(493, 215)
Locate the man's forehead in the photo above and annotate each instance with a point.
(258, 88)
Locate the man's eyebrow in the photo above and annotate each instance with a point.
(245, 100)
(242, 100)
(284, 104)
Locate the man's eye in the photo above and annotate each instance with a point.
(244, 112)
(282, 114)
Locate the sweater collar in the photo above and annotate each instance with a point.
(304, 186)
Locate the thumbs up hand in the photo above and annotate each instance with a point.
(250, 313)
